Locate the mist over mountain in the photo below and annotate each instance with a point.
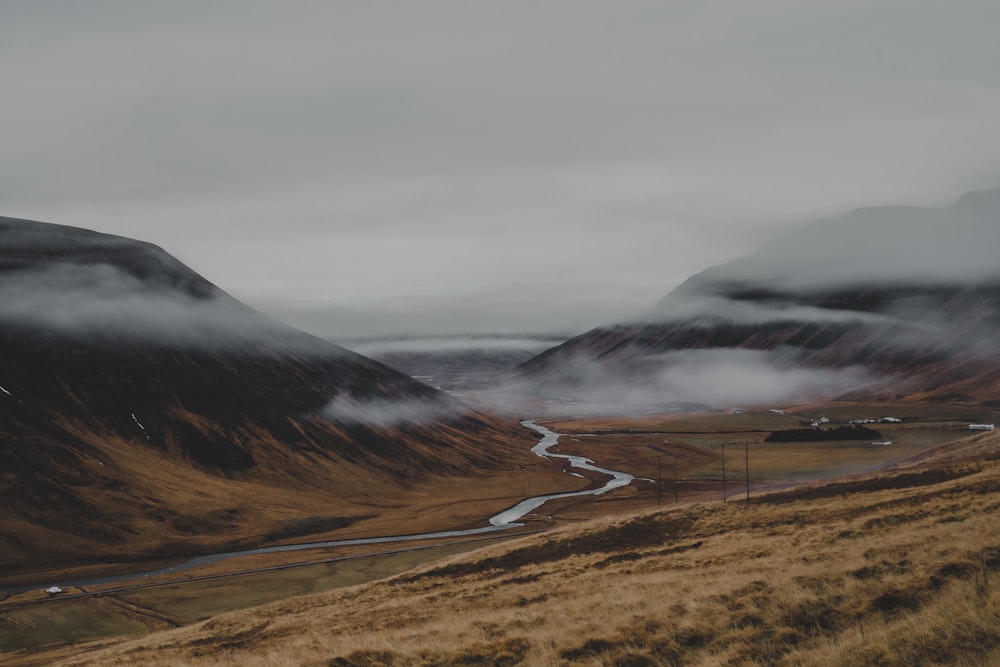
(886, 245)
(891, 302)
(142, 408)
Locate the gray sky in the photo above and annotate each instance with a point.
(453, 166)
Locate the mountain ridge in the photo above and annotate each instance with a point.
(145, 411)
(906, 315)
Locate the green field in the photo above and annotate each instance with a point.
(73, 621)
(62, 623)
(924, 426)
(807, 461)
(762, 420)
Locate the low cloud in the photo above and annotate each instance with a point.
(447, 344)
(389, 412)
(889, 245)
(100, 300)
(716, 378)
(701, 306)
(736, 376)
(876, 266)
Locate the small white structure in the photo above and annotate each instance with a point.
(824, 420)
(53, 590)
(776, 411)
(737, 411)
(891, 420)
(881, 443)
(982, 427)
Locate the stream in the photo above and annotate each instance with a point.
(504, 520)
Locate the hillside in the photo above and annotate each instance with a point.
(884, 303)
(896, 568)
(144, 412)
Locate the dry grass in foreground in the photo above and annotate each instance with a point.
(899, 570)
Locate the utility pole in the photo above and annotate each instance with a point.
(746, 454)
(725, 481)
(659, 483)
(676, 458)
(676, 481)
(723, 472)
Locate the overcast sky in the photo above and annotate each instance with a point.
(430, 166)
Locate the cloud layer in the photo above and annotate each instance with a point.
(100, 300)
(580, 157)
(894, 251)
(713, 378)
(388, 412)
(452, 344)
(879, 246)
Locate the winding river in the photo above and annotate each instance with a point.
(504, 520)
(508, 517)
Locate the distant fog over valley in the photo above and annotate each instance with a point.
(454, 362)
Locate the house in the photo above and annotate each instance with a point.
(891, 420)
(881, 443)
(981, 427)
(53, 590)
(776, 411)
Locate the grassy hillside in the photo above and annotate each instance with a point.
(158, 507)
(898, 568)
(146, 414)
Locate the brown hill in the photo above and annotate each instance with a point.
(144, 412)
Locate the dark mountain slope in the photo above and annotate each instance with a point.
(145, 411)
(886, 302)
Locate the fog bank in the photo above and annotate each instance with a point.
(104, 302)
(712, 378)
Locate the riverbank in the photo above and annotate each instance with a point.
(504, 520)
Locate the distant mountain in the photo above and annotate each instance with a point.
(885, 302)
(144, 411)
(454, 363)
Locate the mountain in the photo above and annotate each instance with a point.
(454, 363)
(888, 302)
(145, 412)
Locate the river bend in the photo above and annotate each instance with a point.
(504, 520)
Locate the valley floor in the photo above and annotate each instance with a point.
(894, 567)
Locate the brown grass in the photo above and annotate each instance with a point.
(169, 511)
(896, 569)
(760, 420)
